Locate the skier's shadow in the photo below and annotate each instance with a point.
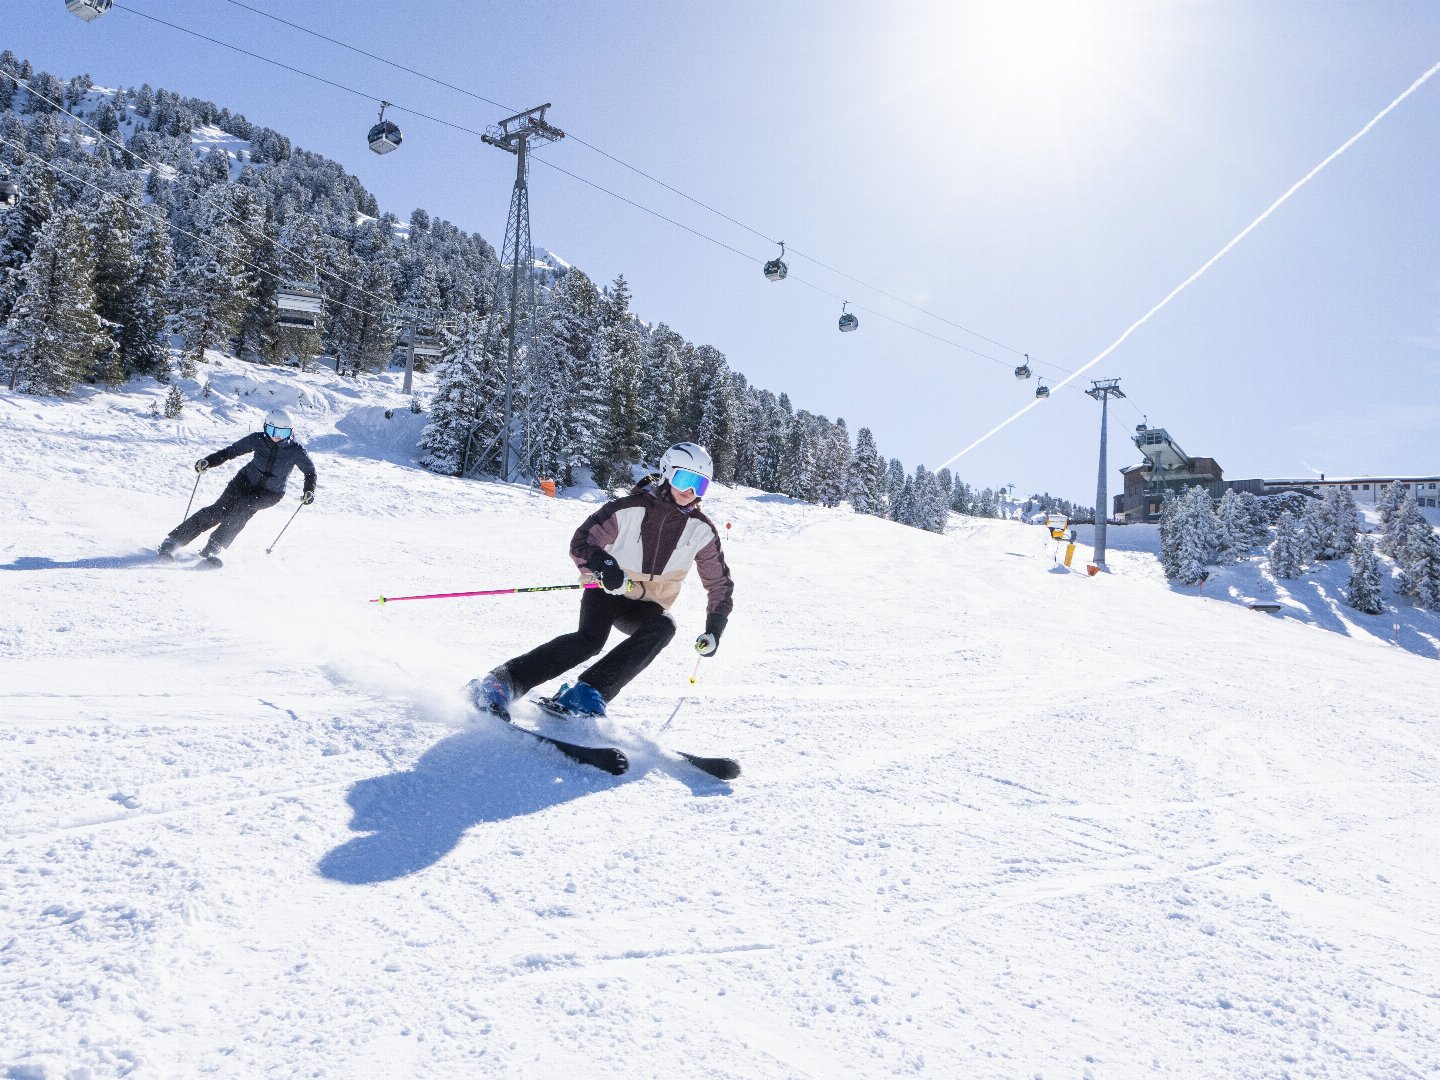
(414, 818)
(97, 562)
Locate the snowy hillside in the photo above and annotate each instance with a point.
(996, 819)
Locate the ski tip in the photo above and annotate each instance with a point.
(719, 768)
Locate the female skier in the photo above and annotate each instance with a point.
(640, 549)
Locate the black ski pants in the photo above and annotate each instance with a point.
(647, 625)
(227, 515)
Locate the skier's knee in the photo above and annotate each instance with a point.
(590, 643)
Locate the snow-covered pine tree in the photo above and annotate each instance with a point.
(1285, 560)
(986, 503)
(895, 479)
(865, 476)
(1363, 590)
(622, 433)
(20, 228)
(545, 411)
(573, 321)
(1253, 512)
(1389, 502)
(834, 463)
(713, 411)
(929, 501)
(1336, 525)
(212, 285)
(360, 323)
(1310, 532)
(1232, 528)
(777, 417)
(940, 510)
(1403, 518)
(1169, 509)
(1419, 579)
(124, 284)
(663, 390)
(905, 509)
(744, 436)
(54, 336)
(801, 464)
(174, 403)
(455, 405)
(962, 499)
(1192, 537)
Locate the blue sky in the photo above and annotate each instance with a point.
(1041, 174)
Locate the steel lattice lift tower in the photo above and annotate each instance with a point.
(515, 134)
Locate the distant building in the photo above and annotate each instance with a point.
(1364, 489)
(1167, 468)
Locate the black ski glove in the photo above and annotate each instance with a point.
(202, 464)
(612, 578)
(306, 498)
(709, 641)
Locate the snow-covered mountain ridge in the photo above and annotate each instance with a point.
(997, 819)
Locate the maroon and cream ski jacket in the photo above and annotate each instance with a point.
(656, 542)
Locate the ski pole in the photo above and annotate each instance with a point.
(694, 678)
(486, 592)
(282, 531)
(192, 497)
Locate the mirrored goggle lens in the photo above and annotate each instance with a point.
(277, 432)
(686, 480)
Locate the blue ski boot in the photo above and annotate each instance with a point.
(492, 693)
(580, 700)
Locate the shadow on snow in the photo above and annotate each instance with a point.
(95, 562)
(416, 817)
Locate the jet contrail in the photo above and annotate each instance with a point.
(1208, 263)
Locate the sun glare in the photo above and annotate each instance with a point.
(1038, 78)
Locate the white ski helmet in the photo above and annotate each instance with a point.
(690, 457)
(276, 421)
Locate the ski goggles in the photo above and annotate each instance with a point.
(277, 432)
(689, 480)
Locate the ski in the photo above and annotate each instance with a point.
(605, 758)
(721, 768)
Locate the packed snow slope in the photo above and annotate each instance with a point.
(996, 819)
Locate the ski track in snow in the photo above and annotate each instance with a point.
(995, 820)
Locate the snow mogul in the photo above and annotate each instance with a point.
(639, 549)
(260, 484)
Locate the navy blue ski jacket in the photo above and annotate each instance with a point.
(272, 463)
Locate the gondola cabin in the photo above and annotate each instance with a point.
(9, 194)
(1042, 391)
(1023, 371)
(775, 269)
(89, 10)
(384, 137)
(299, 306)
(848, 322)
